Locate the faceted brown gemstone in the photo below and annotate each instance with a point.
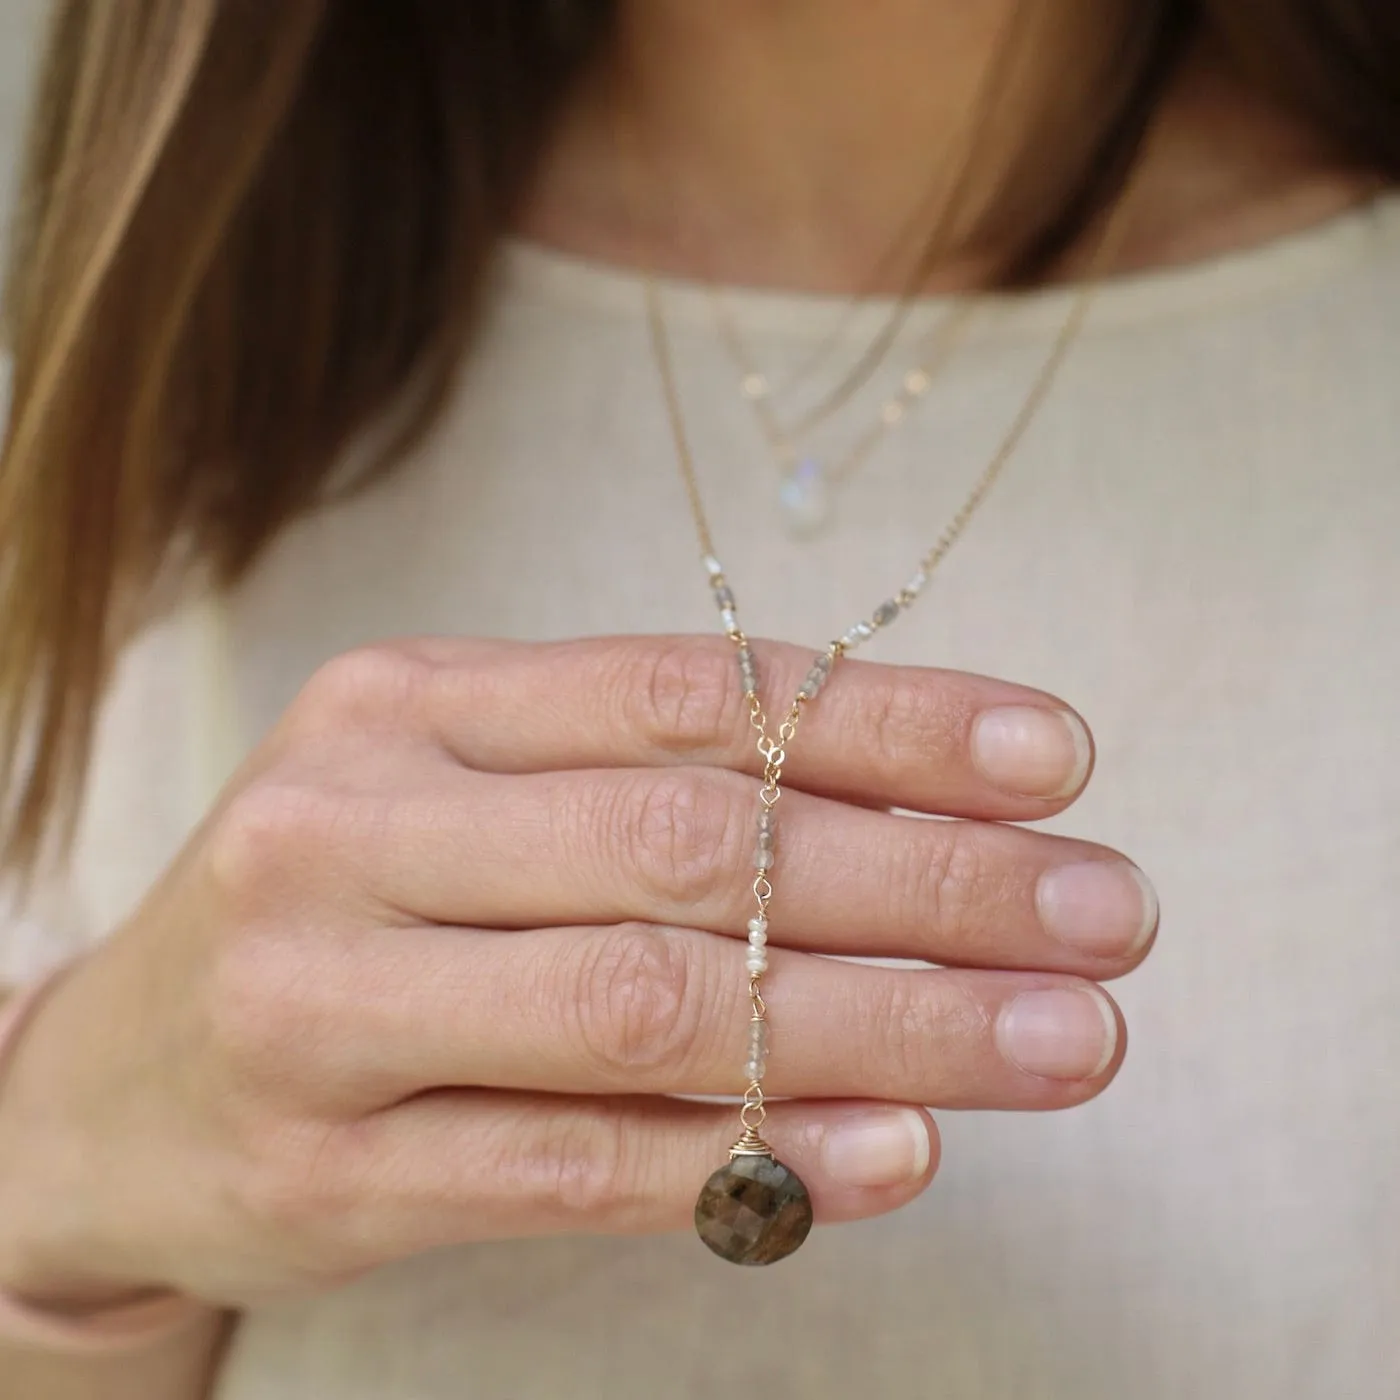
(753, 1211)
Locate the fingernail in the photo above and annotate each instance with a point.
(888, 1148)
(1031, 752)
(1058, 1033)
(1106, 908)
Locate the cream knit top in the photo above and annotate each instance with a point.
(1198, 546)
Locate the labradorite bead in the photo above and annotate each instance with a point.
(753, 1210)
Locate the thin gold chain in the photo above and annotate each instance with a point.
(992, 84)
(773, 746)
(784, 439)
(634, 155)
(1043, 382)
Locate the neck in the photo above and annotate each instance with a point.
(815, 143)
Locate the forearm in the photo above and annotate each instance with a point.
(183, 1367)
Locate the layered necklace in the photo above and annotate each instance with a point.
(754, 1209)
(809, 480)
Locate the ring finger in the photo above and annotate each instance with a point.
(644, 1010)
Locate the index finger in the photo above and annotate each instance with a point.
(919, 738)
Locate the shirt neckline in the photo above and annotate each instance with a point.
(544, 275)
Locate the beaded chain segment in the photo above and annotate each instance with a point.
(756, 1210)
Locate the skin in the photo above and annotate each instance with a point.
(427, 971)
(844, 129)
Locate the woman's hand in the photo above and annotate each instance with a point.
(434, 965)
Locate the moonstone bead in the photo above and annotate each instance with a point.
(729, 619)
(763, 858)
(753, 1210)
(724, 596)
(753, 1071)
(885, 613)
(804, 498)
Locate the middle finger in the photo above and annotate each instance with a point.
(676, 846)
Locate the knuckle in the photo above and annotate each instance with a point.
(909, 1032)
(686, 699)
(296, 1188)
(920, 1028)
(574, 1165)
(636, 1007)
(263, 1017)
(905, 721)
(682, 831)
(270, 1190)
(369, 686)
(266, 836)
(936, 884)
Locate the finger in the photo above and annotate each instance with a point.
(636, 1009)
(899, 736)
(453, 1167)
(678, 846)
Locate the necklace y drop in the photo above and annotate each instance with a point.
(755, 1209)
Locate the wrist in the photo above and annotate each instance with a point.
(34, 1219)
(47, 1305)
(31, 1280)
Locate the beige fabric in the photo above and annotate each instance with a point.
(1198, 548)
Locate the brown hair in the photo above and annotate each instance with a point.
(248, 232)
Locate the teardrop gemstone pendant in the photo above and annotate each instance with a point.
(754, 1210)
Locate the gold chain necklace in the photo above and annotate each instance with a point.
(805, 488)
(755, 1209)
(807, 482)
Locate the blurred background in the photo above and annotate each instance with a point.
(21, 22)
